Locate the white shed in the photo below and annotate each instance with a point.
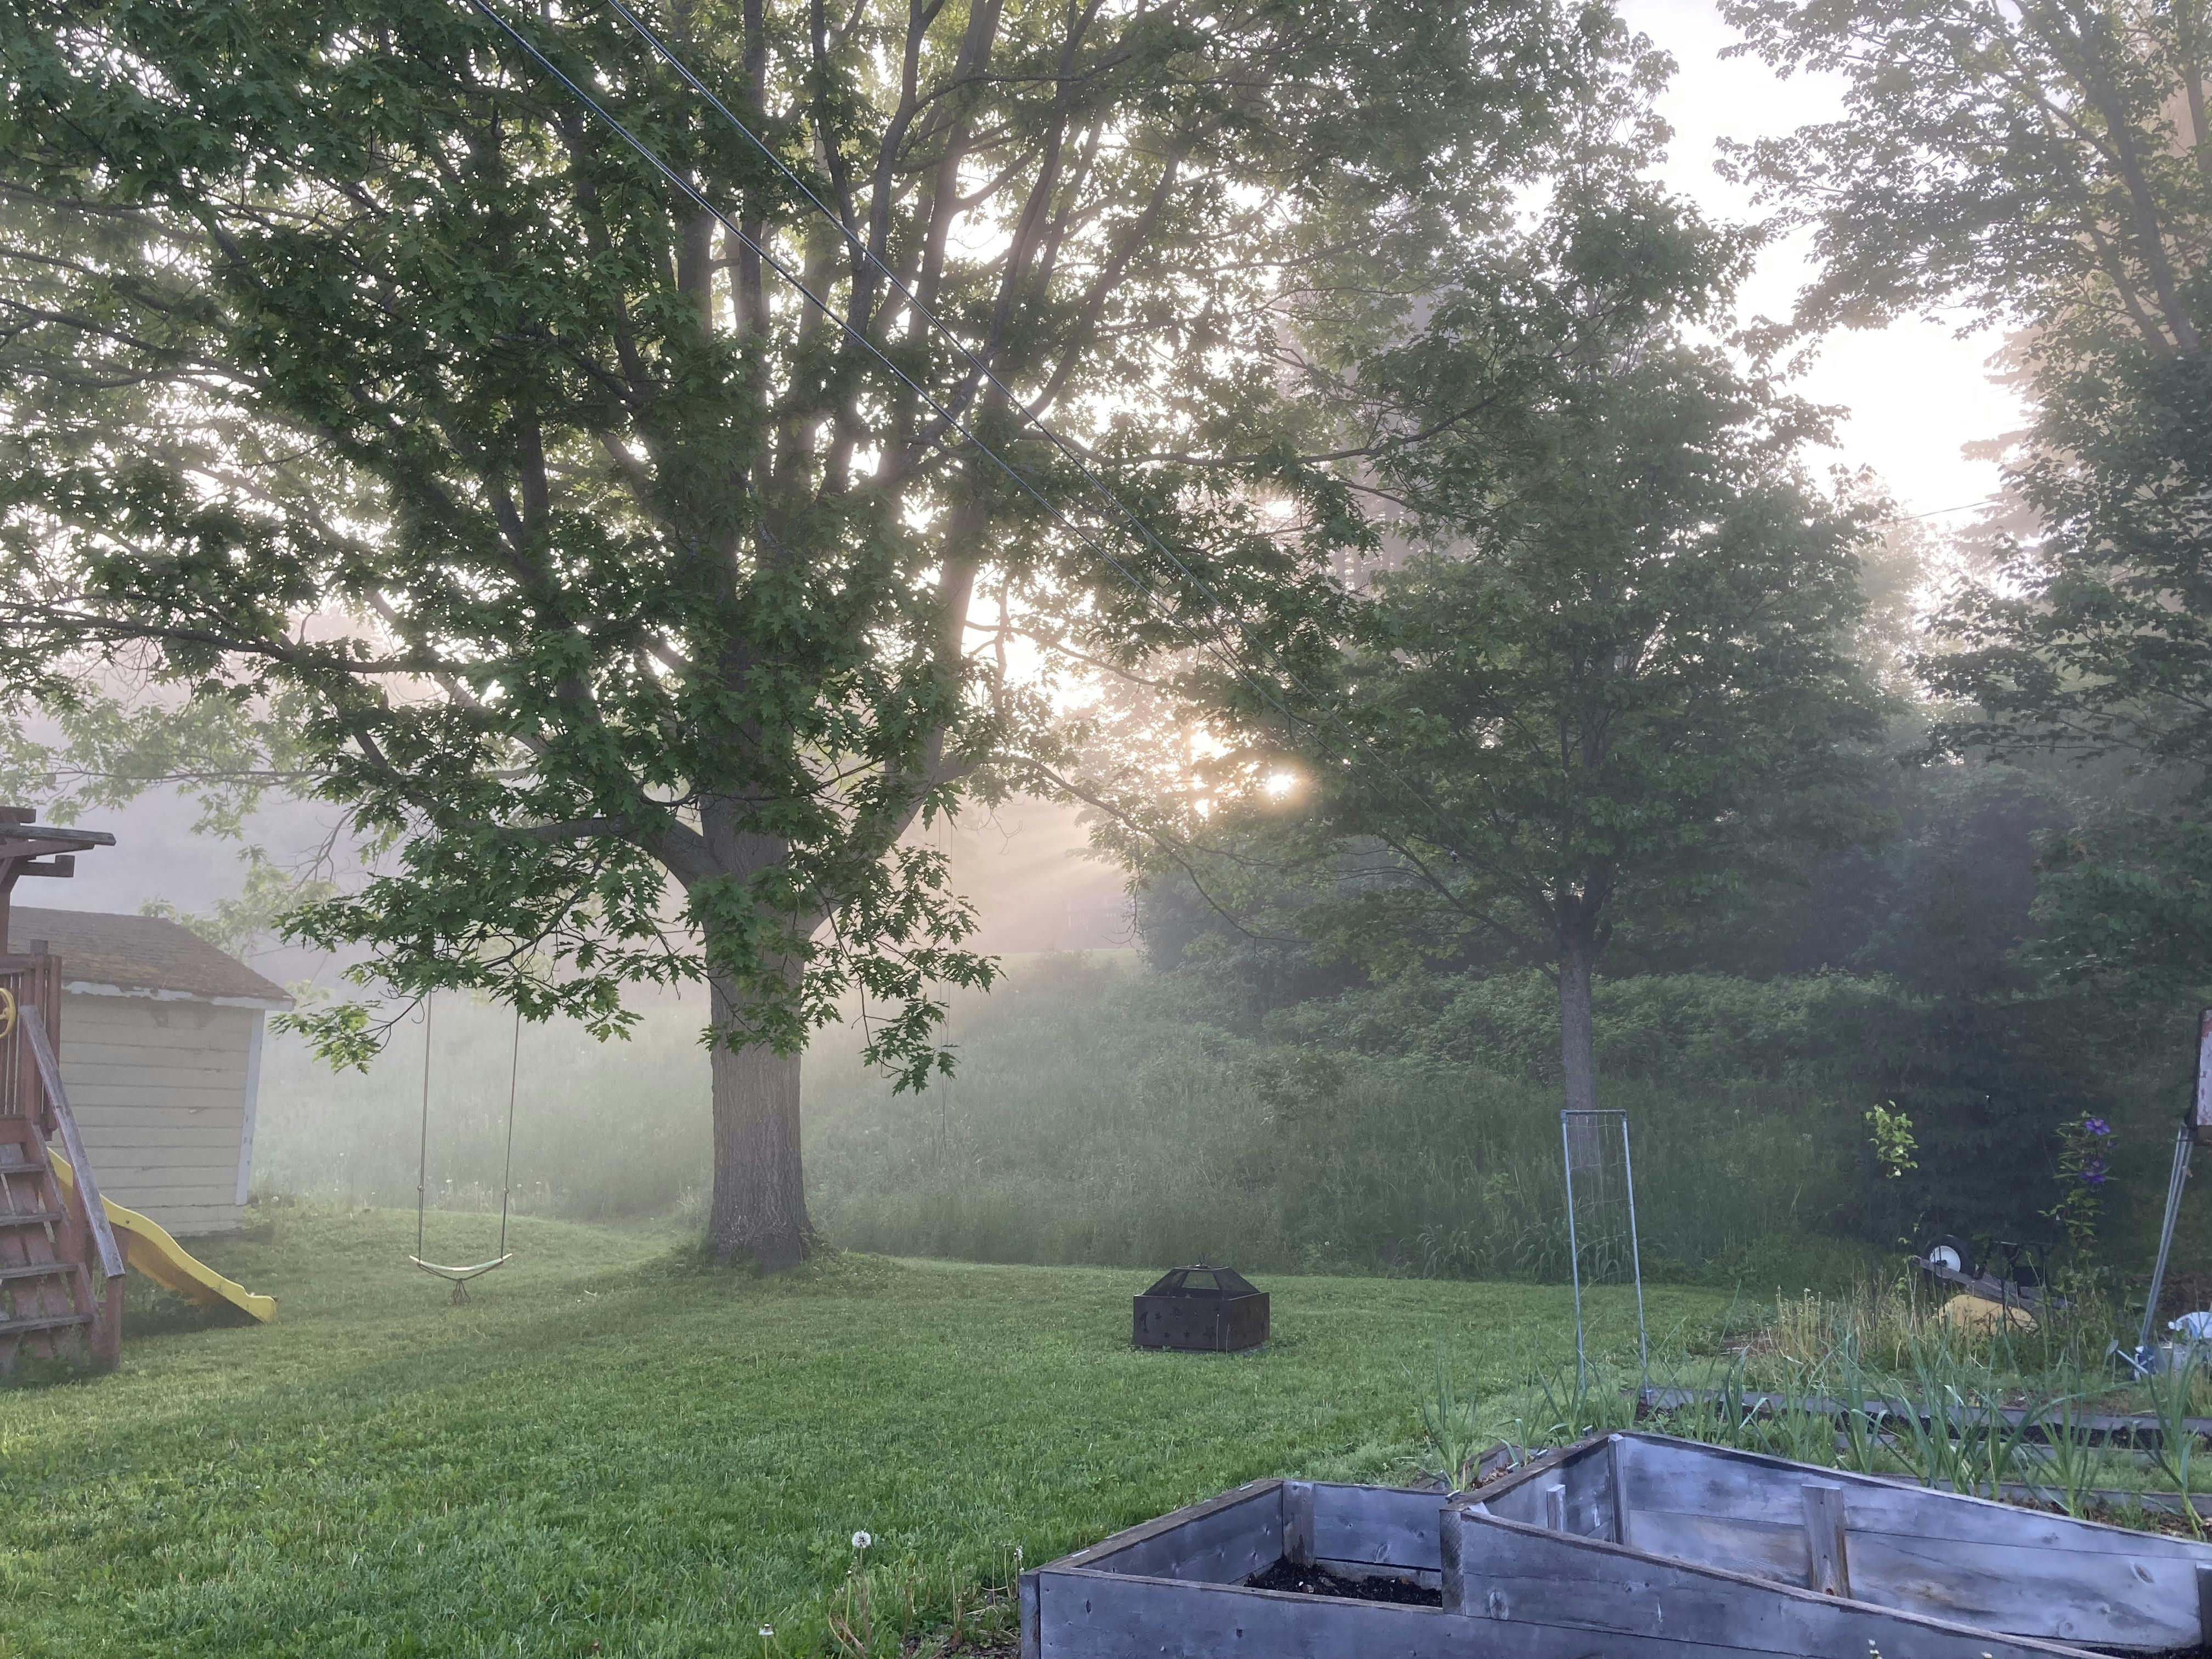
(161, 1053)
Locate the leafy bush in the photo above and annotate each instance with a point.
(1710, 1028)
(1985, 1081)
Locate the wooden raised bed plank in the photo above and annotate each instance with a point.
(1364, 1531)
(1585, 1502)
(1682, 1475)
(1513, 1575)
(1078, 1615)
(1939, 1553)
(1223, 1539)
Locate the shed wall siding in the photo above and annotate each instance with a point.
(159, 1089)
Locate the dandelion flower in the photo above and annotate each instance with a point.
(768, 1630)
(861, 1541)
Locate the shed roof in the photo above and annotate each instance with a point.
(139, 956)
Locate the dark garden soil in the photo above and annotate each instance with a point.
(1319, 1580)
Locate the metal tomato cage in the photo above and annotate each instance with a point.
(2196, 1129)
(1601, 1216)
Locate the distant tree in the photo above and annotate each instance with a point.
(2049, 167)
(1614, 675)
(631, 608)
(266, 896)
(2042, 163)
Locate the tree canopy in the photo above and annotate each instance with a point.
(2043, 163)
(1609, 672)
(2048, 166)
(633, 605)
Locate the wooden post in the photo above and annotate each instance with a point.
(1452, 1579)
(1824, 1533)
(1031, 1636)
(37, 850)
(2200, 1116)
(1555, 1506)
(1616, 1475)
(1298, 1523)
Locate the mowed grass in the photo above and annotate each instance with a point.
(615, 1450)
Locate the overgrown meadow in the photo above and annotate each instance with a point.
(1103, 1113)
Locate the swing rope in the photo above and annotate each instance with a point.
(507, 1170)
(459, 1277)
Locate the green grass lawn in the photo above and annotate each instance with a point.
(612, 1451)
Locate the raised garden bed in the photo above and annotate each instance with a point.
(1630, 1547)
(2098, 1428)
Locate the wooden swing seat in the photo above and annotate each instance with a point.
(459, 1277)
(462, 1275)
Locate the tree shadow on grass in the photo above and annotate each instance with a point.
(151, 1310)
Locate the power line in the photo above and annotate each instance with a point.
(1121, 509)
(1938, 512)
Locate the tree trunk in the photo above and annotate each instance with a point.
(760, 1185)
(1578, 1038)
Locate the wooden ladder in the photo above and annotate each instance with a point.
(47, 1307)
(61, 1271)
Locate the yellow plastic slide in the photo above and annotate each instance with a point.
(147, 1247)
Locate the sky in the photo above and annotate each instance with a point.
(1911, 395)
(1914, 393)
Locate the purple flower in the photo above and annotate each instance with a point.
(2093, 1173)
(2096, 1126)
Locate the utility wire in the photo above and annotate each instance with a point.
(1938, 512)
(937, 407)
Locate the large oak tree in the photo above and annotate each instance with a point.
(631, 606)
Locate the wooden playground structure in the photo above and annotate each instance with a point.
(61, 1267)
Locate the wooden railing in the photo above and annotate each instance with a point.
(28, 980)
(107, 1324)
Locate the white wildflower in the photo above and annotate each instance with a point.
(861, 1541)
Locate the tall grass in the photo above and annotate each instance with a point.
(601, 1130)
(1091, 1121)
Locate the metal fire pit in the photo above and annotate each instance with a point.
(1201, 1309)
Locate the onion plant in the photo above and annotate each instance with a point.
(1452, 1442)
(2067, 1457)
(2170, 1389)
